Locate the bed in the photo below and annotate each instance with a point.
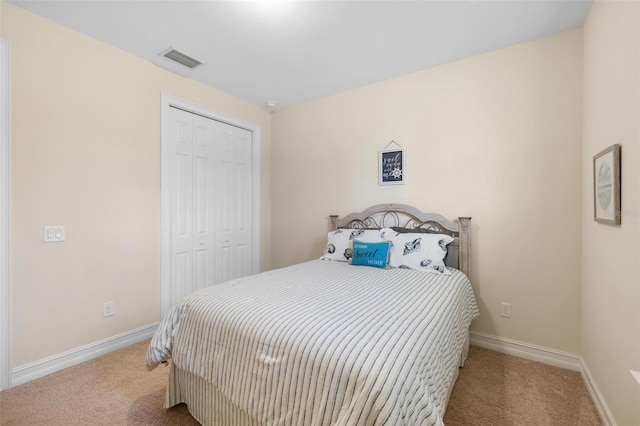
(326, 342)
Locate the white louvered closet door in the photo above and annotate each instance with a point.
(210, 202)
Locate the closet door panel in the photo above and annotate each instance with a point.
(181, 222)
(235, 238)
(226, 209)
(243, 182)
(204, 165)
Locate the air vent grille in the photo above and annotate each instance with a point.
(181, 58)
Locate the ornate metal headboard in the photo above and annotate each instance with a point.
(410, 218)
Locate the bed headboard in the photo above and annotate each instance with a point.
(410, 218)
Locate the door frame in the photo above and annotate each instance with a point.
(5, 211)
(168, 101)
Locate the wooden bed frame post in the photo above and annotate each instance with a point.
(465, 243)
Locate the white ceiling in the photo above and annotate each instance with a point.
(294, 51)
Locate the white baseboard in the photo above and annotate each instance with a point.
(596, 396)
(527, 351)
(43, 367)
(547, 356)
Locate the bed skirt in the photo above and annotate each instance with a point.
(205, 403)
(210, 407)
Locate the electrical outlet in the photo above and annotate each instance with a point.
(107, 309)
(505, 310)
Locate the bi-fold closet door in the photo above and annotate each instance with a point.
(211, 194)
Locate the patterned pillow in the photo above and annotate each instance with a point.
(422, 252)
(371, 254)
(340, 242)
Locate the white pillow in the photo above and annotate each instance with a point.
(340, 242)
(422, 252)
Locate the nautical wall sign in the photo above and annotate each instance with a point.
(391, 165)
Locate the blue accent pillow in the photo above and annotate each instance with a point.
(370, 254)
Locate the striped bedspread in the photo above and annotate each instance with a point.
(325, 343)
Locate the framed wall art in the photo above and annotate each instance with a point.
(606, 186)
(391, 165)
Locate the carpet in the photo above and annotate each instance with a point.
(115, 389)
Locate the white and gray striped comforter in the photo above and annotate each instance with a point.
(326, 343)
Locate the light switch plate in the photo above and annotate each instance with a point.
(53, 234)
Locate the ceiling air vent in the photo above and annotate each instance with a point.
(180, 58)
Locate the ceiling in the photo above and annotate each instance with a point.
(294, 51)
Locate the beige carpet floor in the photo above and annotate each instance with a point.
(493, 389)
(497, 389)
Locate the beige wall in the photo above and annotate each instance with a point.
(86, 154)
(611, 254)
(496, 137)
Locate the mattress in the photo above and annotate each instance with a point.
(318, 343)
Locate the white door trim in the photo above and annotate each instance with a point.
(5, 209)
(168, 101)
